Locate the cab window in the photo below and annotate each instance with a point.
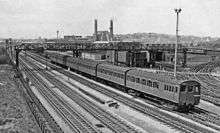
(137, 80)
(190, 88)
(196, 89)
(132, 79)
(182, 88)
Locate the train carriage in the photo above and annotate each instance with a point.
(112, 73)
(181, 92)
(189, 94)
(151, 83)
(73, 63)
(87, 66)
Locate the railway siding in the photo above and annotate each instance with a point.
(118, 98)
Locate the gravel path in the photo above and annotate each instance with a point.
(15, 116)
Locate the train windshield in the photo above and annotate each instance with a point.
(183, 88)
(196, 88)
(190, 88)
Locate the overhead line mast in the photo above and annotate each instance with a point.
(177, 11)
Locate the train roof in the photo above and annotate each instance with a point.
(88, 62)
(158, 76)
(113, 67)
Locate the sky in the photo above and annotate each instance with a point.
(34, 18)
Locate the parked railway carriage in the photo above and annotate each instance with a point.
(180, 92)
(150, 83)
(73, 63)
(88, 66)
(112, 73)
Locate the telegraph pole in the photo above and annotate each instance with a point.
(177, 11)
(57, 35)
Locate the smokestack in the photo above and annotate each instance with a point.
(96, 30)
(111, 30)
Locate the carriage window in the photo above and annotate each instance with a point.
(110, 73)
(106, 72)
(114, 74)
(176, 89)
(128, 77)
(196, 89)
(103, 71)
(143, 81)
(155, 84)
(183, 88)
(137, 80)
(132, 79)
(190, 88)
(149, 83)
(120, 76)
(172, 88)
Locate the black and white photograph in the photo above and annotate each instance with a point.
(109, 66)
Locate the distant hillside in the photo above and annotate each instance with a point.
(163, 38)
(216, 43)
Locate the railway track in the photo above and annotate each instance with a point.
(112, 122)
(71, 116)
(165, 118)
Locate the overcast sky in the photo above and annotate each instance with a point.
(34, 18)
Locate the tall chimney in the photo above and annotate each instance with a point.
(111, 30)
(96, 31)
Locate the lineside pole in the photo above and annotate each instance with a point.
(177, 38)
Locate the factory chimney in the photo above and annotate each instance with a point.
(96, 31)
(111, 30)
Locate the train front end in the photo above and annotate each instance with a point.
(189, 94)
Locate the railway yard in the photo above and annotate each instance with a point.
(107, 66)
(72, 101)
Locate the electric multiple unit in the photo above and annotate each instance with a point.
(181, 93)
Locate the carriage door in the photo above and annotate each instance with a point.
(183, 94)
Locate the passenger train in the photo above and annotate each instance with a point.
(184, 94)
